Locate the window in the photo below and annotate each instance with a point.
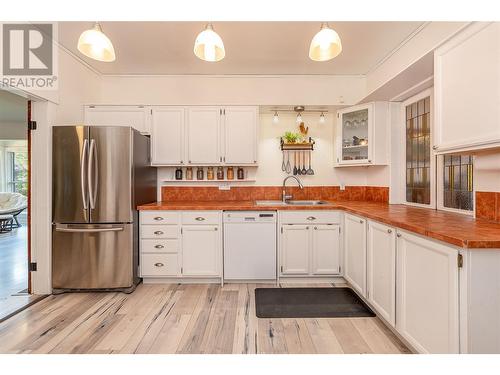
(418, 152)
(456, 188)
(17, 172)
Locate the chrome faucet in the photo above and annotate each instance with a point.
(284, 196)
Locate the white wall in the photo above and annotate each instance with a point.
(235, 90)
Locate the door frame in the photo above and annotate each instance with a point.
(28, 224)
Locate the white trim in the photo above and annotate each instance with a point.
(402, 185)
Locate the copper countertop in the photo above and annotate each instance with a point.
(456, 229)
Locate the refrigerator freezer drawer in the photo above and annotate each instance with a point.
(159, 265)
(92, 256)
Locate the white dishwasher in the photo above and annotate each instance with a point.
(249, 245)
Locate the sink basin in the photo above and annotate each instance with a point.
(306, 203)
(292, 203)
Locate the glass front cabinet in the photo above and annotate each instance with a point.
(362, 135)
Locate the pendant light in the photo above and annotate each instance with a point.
(325, 45)
(275, 117)
(322, 118)
(208, 45)
(299, 118)
(95, 44)
(299, 109)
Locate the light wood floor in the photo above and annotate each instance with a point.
(182, 319)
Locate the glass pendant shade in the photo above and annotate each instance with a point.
(208, 45)
(299, 118)
(95, 44)
(276, 117)
(322, 118)
(325, 45)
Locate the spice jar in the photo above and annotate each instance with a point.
(199, 173)
(178, 174)
(230, 173)
(189, 173)
(210, 173)
(220, 173)
(241, 173)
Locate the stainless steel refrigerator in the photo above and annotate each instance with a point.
(99, 176)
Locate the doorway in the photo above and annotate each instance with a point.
(14, 200)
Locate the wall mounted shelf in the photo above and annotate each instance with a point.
(306, 146)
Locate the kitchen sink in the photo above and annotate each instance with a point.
(292, 203)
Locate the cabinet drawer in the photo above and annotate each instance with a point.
(159, 246)
(159, 265)
(310, 217)
(159, 217)
(159, 231)
(201, 217)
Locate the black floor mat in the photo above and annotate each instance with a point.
(309, 303)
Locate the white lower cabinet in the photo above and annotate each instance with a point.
(427, 294)
(201, 250)
(381, 270)
(310, 249)
(180, 244)
(355, 252)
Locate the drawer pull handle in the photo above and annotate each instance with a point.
(158, 232)
(199, 218)
(159, 264)
(389, 231)
(159, 246)
(158, 218)
(311, 218)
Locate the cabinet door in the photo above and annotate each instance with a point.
(381, 270)
(203, 135)
(240, 135)
(167, 135)
(427, 294)
(326, 249)
(118, 115)
(354, 140)
(355, 252)
(468, 63)
(295, 245)
(201, 250)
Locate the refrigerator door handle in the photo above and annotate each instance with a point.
(88, 230)
(92, 175)
(82, 173)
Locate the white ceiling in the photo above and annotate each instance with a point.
(251, 47)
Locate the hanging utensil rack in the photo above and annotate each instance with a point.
(306, 146)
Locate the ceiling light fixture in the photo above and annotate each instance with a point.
(325, 45)
(275, 117)
(322, 118)
(95, 44)
(208, 45)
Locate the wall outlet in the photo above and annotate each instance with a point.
(342, 186)
(224, 187)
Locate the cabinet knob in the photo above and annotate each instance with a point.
(398, 235)
(434, 147)
(216, 229)
(361, 221)
(158, 232)
(199, 218)
(307, 227)
(159, 264)
(158, 218)
(189, 161)
(159, 246)
(315, 228)
(389, 230)
(182, 161)
(310, 218)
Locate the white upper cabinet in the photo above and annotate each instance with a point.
(203, 135)
(355, 252)
(118, 115)
(381, 270)
(427, 294)
(361, 136)
(167, 133)
(467, 90)
(240, 135)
